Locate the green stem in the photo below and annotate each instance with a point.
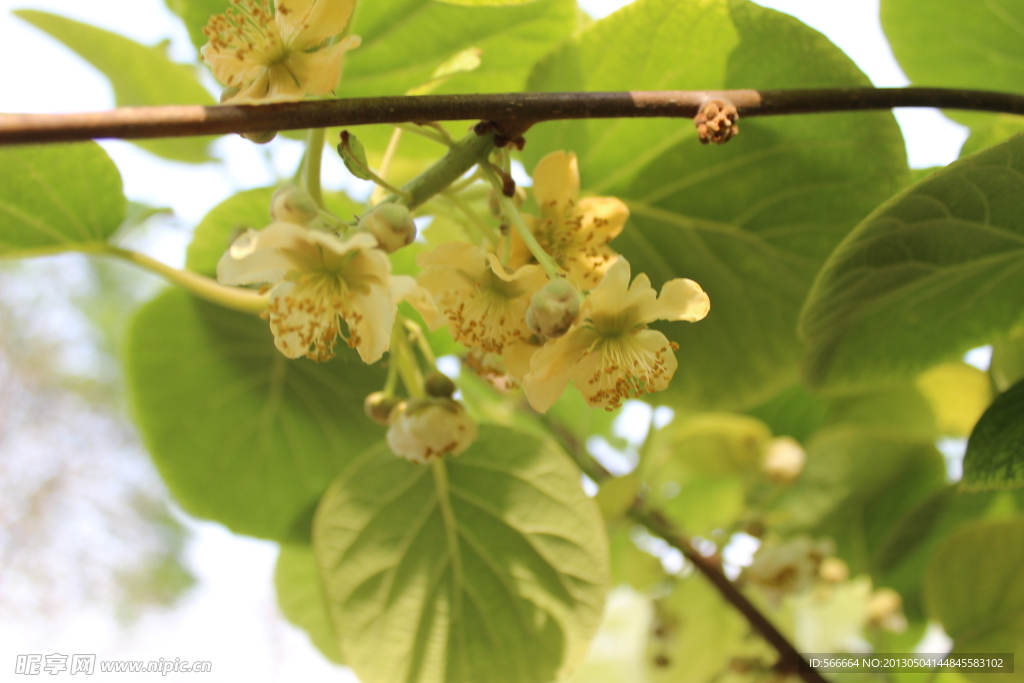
(235, 298)
(311, 170)
(403, 357)
(549, 265)
(463, 155)
(385, 165)
(486, 232)
(421, 342)
(427, 132)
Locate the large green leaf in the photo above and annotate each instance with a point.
(752, 221)
(492, 566)
(934, 272)
(975, 588)
(301, 597)
(981, 49)
(995, 452)
(57, 195)
(241, 434)
(140, 76)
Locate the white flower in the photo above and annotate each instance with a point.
(319, 282)
(278, 55)
(611, 355)
(422, 429)
(784, 459)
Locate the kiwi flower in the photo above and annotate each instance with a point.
(319, 281)
(610, 354)
(278, 55)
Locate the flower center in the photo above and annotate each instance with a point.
(248, 30)
(626, 369)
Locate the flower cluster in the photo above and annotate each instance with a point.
(279, 54)
(539, 326)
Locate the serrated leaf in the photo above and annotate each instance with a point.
(239, 433)
(492, 566)
(984, 53)
(751, 221)
(353, 154)
(140, 76)
(975, 589)
(57, 195)
(301, 598)
(995, 451)
(932, 273)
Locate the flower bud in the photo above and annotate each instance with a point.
(833, 570)
(439, 385)
(422, 429)
(553, 309)
(379, 407)
(391, 224)
(885, 611)
(260, 137)
(293, 204)
(784, 460)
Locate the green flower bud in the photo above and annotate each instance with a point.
(391, 224)
(423, 429)
(379, 407)
(553, 309)
(293, 204)
(439, 385)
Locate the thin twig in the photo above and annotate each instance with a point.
(791, 661)
(516, 110)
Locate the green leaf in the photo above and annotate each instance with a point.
(140, 76)
(958, 394)
(855, 484)
(932, 273)
(302, 600)
(984, 52)
(247, 209)
(353, 154)
(793, 412)
(57, 196)
(492, 566)
(1007, 367)
(975, 588)
(487, 3)
(241, 434)
(751, 221)
(405, 43)
(995, 451)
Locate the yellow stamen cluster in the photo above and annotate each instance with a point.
(626, 371)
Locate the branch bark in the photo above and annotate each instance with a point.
(515, 111)
(790, 660)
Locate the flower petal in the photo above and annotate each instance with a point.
(604, 217)
(319, 72)
(556, 182)
(305, 24)
(260, 255)
(681, 299)
(552, 367)
(405, 288)
(370, 328)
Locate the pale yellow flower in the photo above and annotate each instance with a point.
(280, 55)
(484, 303)
(611, 355)
(319, 282)
(574, 231)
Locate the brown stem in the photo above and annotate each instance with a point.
(515, 110)
(790, 660)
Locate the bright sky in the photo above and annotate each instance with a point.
(231, 617)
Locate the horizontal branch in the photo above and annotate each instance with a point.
(518, 110)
